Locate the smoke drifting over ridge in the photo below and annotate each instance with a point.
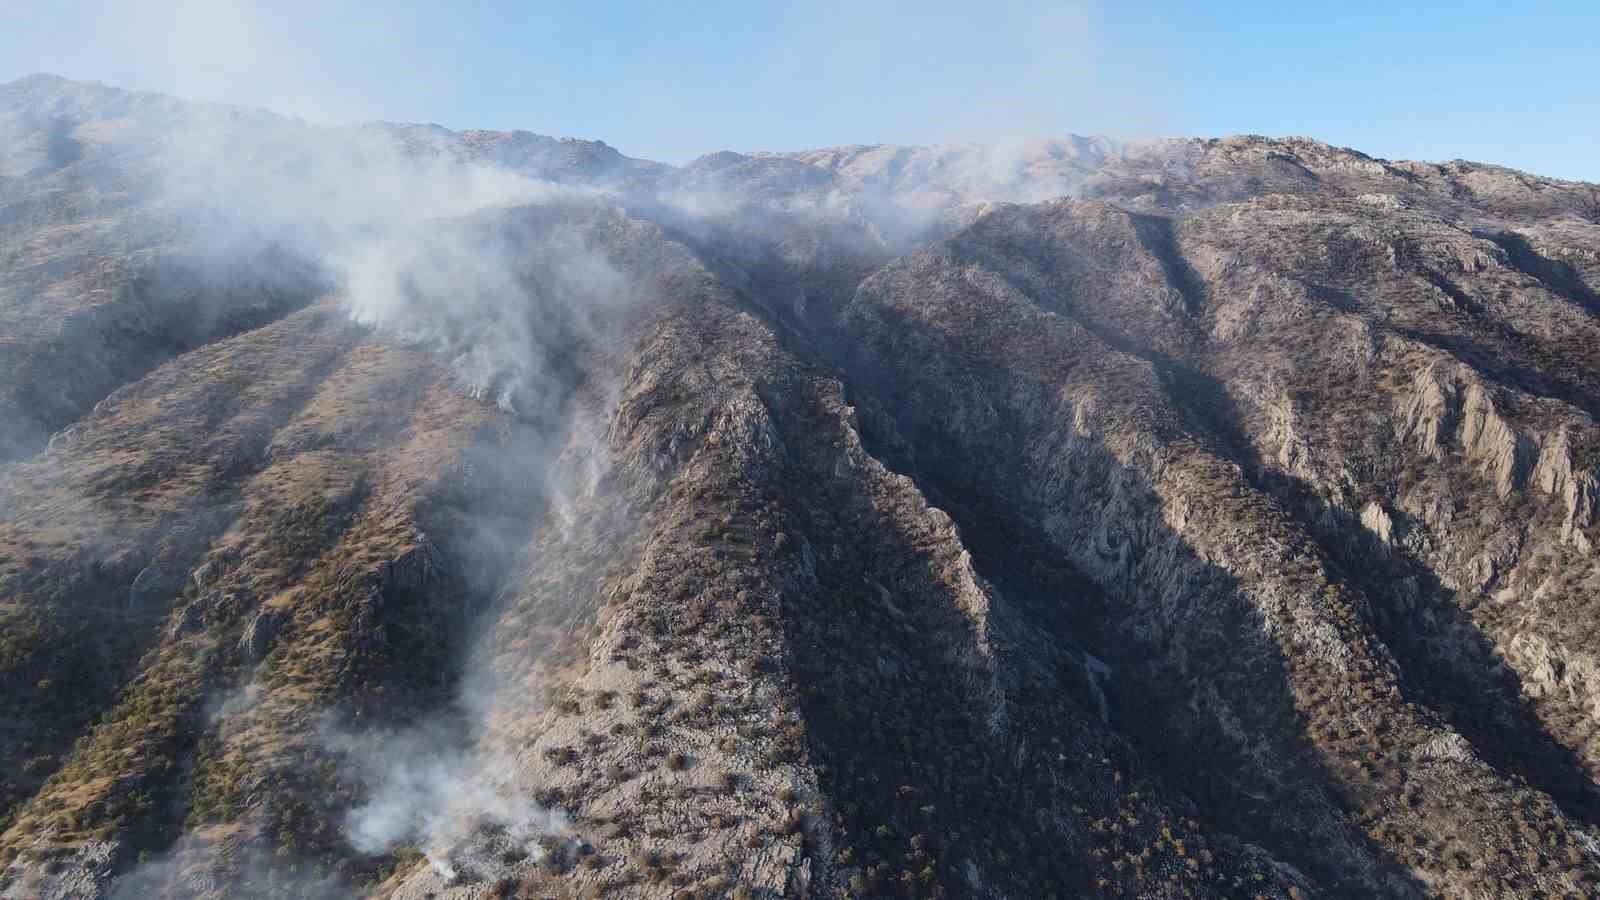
(427, 240)
(468, 260)
(385, 220)
(484, 514)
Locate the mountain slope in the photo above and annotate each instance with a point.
(1217, 521)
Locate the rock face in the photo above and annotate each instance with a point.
(1177, 519)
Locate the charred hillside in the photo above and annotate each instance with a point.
(1171, 519)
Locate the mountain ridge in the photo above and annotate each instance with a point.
(396, 518)
(51, 86)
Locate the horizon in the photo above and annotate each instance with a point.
(599, 139)
(1430, 83)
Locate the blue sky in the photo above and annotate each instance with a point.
(1517, 84)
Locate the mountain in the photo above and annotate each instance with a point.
(397, 512)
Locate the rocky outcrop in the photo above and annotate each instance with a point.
(1489, 440)
(1548, 670)
(1429, 415)
(1578, 491)
(415, 569)
(1448, 409)
(56, 873)
(259, 633)
(1378, 521)
(856, 522)
(153, 585)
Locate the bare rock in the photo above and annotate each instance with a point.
(1376, 520)
(50, 872)
(189, 620)
(260, 633)
(1429, 415)
(416, 568)
(1505, 455)
(153, 584)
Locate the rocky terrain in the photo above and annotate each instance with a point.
(398, 512)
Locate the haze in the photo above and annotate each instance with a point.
(1422, 81)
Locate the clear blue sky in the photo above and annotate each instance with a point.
(1510, 83)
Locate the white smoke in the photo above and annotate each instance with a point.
(473, 261)
(497, 299)
(425, 790)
